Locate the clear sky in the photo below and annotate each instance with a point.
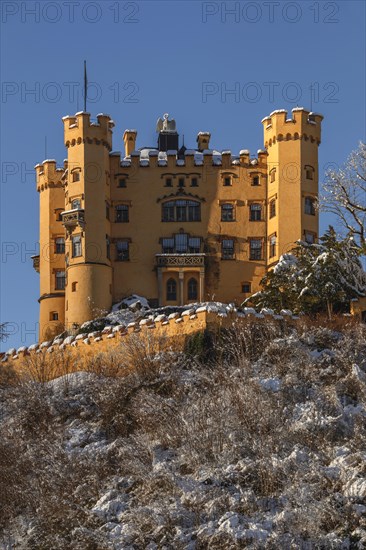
(146, 58)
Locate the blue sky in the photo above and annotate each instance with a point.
(151, 57)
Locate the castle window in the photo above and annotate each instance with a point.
(60, 280)
(255, 249)
(227, 249)
(272, 208)
(181, 243)
(122, 251)
(76, 246)
(171, 290)
(227, 181)
(181, 211)
(168, 246)
(74, 286)
(246, 288)
(194, 182)
(168, 182)
(60, 245)
(255, 180)
(76, 204)
(107, 210)
(192, 289)
(122, 182)
(272, 246)
(310, 206)
(272, 175)
(122, 214)
(309, 237)
(53, 316)
(108, 247)
(76, 176)
(255, 212)
(309, 170)
(181, 182)
(227, 212)
(194, 245)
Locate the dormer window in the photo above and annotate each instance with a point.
(310, 206)
(255, 180)
(227, 181)
(168, 182)
(122, 182)
(194, 182)
(181, 182)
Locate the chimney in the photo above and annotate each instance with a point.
(203, 140)
(129, 139)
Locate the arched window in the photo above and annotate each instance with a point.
(192, 289)
(171, 290)
(181, 211)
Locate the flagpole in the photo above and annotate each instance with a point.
(85, 86)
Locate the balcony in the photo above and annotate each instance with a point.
(180, 260)
(35, 263)
(72, 218)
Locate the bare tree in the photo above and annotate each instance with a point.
(344, 195)
(3, 332)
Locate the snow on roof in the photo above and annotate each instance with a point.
(188, 152)
(162, 155)
(172, 152)
(132, 131)
(48, 160)
(265, 118)
(126, 162)
(207, 152)
(204, 134)
(226, 152)
(244, 152)
(313, 113)
(115, 153)
(295, 109)
(153, 153)
(180, 162)
(261, 151)
(82, 113)
(277, 111)
(103, 114)
(254, 161)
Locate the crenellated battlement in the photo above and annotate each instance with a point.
(48, 175)
(79, 129)
(169, 331)
(302, 125)
(208, 157)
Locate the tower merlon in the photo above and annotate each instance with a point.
(303, 123)
(79, 127)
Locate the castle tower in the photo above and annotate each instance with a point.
(51, 261)
(86, 218)
(292, 189)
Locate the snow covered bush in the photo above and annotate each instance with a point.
(261, 445)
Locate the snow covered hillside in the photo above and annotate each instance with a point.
(250, 439)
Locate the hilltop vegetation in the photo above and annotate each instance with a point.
(254, 438)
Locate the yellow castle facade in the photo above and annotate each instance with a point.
(175, 225)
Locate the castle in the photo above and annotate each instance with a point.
(173, 224)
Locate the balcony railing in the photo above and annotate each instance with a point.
(35, 263)
(180, 260)
(72, 218)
